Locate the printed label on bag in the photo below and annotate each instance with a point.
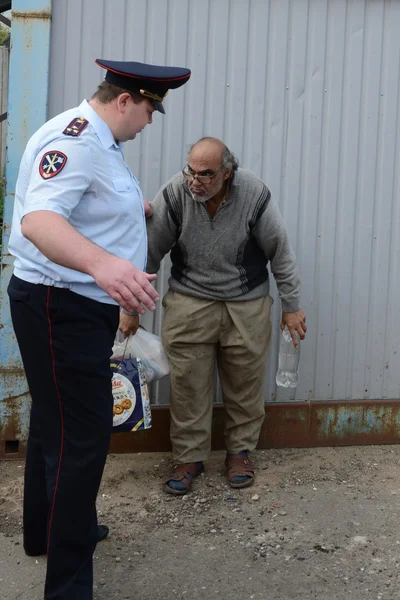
(124, 399)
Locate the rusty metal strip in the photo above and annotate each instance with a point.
(44, 15)
(287, 425)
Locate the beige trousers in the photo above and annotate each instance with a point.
(199, 335)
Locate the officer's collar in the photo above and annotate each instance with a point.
(101, 128)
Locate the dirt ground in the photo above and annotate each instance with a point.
(318, 523)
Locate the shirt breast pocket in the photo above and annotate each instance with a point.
(122, 184)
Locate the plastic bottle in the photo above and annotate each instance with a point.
(289, 357)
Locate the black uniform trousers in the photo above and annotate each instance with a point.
(65, 342)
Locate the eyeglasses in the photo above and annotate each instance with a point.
(190, 176)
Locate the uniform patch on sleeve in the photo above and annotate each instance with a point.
(52, 163)
(76, 127)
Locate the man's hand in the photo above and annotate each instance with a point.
(148, 211)
(60, 242)
(296, 322)
(128, 286)
(128, 325)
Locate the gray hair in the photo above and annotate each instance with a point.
(228, 159)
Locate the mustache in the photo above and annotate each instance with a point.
(186, 187)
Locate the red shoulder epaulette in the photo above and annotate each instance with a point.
(76, 127)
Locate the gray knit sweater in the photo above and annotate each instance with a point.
(224, 257)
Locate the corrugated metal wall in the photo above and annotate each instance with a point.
(306, 93)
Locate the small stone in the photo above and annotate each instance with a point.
(282, 513)
(213, 531)
(255, 497)
(118, 559)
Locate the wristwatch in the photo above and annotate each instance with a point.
(130, 313)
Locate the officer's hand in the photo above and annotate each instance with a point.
(148, 211)
(296, 322)
(128, 286)
(128, 325)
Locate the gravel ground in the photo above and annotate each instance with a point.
(318, 523)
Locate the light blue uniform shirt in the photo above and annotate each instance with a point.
(94, 190)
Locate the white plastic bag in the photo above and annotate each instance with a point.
(146, 346)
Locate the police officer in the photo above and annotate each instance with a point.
(79, 241)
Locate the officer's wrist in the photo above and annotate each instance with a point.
(130, 313)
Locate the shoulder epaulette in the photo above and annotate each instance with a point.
(76, 127)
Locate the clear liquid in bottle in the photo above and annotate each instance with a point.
(288, 364)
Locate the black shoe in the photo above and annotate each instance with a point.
(102, 533)
(36, 552)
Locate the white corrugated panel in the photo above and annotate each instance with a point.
(306, 93)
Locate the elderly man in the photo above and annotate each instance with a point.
(223, 229)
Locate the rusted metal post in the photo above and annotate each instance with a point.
(27, 111)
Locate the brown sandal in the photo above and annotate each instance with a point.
(239, 466)
(184, 473)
